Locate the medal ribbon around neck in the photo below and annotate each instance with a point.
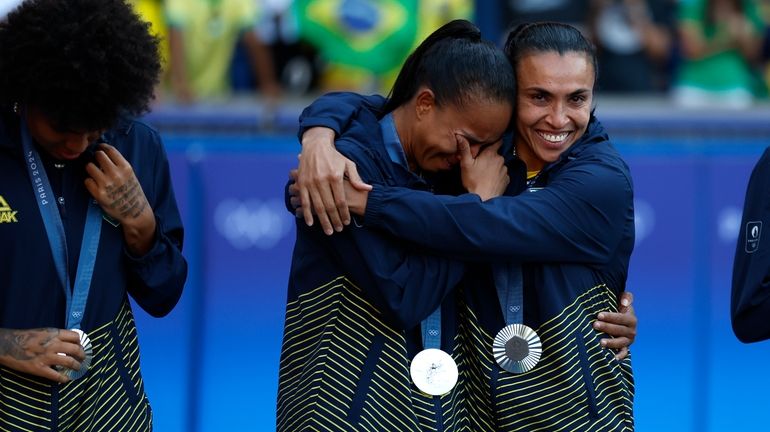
(77, 299)
(432, 370)
(516, 348)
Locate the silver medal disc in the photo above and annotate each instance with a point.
(433, 371)
(517, 348)
(85, 342)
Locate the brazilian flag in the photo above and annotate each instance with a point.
(374, 34)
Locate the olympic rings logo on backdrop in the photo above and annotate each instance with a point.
(253, 222)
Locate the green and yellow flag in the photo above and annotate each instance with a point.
(373, 34)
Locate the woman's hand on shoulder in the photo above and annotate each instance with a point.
(319, 180)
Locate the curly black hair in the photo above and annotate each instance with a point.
(83, 63)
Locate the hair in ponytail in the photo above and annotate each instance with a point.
(457, 65)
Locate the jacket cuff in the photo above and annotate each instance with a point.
(158, 249)
(374, 205)
(311, 122)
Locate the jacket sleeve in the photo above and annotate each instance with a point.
(750, 301)
(404, 280)
(157, 278)
(336, 110)
(581, 216)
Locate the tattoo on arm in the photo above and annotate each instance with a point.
(16, 343)
(127, 199)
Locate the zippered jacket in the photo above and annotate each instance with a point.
(111, 395)
(354, 307)
(572, 232)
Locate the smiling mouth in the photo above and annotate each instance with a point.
(554, 138)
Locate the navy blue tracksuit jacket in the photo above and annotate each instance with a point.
(573, 231)
(354, 306)
(111, 395)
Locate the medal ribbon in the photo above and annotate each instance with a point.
(431, 330)
(76, 300)
(510, 283)
(430, 326)
(510, 291)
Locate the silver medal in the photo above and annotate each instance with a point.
(433, 371)
(85, 342)
(517, 348)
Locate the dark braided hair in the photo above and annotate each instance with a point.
(82, 63)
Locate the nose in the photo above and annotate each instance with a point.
(557, 117)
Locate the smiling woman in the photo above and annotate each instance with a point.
(555, 280)
(553, 105)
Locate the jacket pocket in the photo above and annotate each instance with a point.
(588, 381)
(362, 389)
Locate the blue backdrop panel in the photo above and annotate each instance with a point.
(660, 275)
(248, 241)
(164, 345)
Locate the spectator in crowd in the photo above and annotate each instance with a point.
(294, 58)
(152, 12)
(572, 12)
(203, 35)
(634, 39)
(721, 44)
(764, 7)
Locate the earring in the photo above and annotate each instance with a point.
(16, 107)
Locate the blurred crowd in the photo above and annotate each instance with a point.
(699, 53)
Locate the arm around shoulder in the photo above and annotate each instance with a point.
(582, 215)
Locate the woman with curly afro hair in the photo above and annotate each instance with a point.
(87, 216)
